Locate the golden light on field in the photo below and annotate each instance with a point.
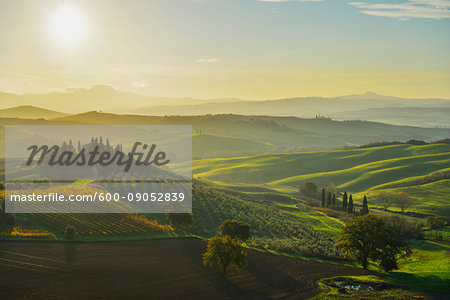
(68, 26)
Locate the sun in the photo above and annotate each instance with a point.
(68, 26)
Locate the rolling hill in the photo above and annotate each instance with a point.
(306, 107)
(415, 116)
(29, 112)
(356, 169)
(263, 134)
(206, 145)
(430, 198)
(97, 97)
(422, 172)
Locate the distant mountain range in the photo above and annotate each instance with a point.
(369, 106)
(97, 97)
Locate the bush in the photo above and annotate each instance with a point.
(403, 228)
(180, 220)
(436, 236)
(416, 142)
(435, 222)
(236, 229)
(309, 189)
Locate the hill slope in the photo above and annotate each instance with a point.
(263, 133)
(29, 112)
(206, 145)
(294, 168)
(430, 198)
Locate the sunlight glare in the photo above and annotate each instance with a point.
(68, 26)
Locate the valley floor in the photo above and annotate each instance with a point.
(151, 269)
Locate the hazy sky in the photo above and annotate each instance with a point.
(228, 48)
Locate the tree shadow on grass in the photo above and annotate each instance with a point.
(430, 282)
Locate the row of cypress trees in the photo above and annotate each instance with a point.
(347, 202)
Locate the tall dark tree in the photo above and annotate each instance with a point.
(350, 204)
(333, 201)
(70, 232)
(329, 199)
(344, 201)
(365, 208)
(323, 197)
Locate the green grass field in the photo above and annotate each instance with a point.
(422, 172)
(431, 198)
(355, 170)
(207, 145)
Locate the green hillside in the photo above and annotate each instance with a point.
(364, 176)
(355, 170)
(206, 145)
(238, 135)
(432, 198)
(277, 227)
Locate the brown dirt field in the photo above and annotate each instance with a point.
(151, 269)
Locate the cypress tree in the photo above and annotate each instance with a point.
(365, 209)
(350, 204)
(333, 202)
(344, 201)
(323, 197)
(329, 199)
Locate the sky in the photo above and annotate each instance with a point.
(247, 49)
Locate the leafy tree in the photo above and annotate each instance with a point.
(370, 237)
(236, 229)
(391, 247)
(403, 201)
(180, 220)
(225, 252)
(359, 237)
(323, 198)
(350, 204)
(329, 199)
(331, 188)
(365, 207)
(309, 189)
(404, 228)
(385, 199)
(344, 201)
(435, 222)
